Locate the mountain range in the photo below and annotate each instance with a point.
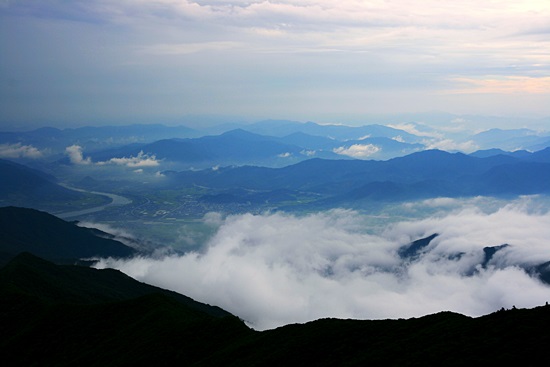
(431, 173)
(268, 143)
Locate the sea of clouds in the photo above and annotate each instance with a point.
(275, 269)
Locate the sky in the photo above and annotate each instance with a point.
(96, 61)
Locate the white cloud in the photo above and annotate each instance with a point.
(75, 155)
(358, 150)
(19, 151)
(414, 129)
(120, 234)
(285, 155)
(277, 269)
(449, 145)
(141, 160)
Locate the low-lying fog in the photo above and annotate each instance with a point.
(276, 268)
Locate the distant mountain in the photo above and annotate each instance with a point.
(423, 174)
(512, 139)
(70, 315)
(380, 148)
(29, 230)
(235, 147)
(541, 156)
(339, 132)
(93, 138)
(24, 186)
(485, 153)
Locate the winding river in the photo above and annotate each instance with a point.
(116, 200)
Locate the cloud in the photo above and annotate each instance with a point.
(188, 48)
(285, 155)
(417, 129)
(449, 145)
(124, 236)
(19, 151)
(120, 234)
(140, 161)
(276, 269)
(317, 58)
(513, 84)
(75, 155)
(358, 150)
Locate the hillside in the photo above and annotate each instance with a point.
(47, 236)
(24, 186)
(71, 315)
(75, 318)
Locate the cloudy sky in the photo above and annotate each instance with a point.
(322, 60)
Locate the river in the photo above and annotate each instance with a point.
(116, 200)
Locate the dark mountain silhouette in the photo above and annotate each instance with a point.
(489, 252)
(47, 236)
(69, 315)
(33, 276)
(413, 249)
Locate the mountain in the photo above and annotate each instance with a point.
(33, 276)
(235, 147)
(485, 153)
(282, 128)
(380, 148)
(430, 173)
(241, 147)
(93, 138)
(70, 315)
(29, 230)
(512, 139)
(24, 186)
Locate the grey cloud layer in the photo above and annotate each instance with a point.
(272, 59)
(276, 269)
